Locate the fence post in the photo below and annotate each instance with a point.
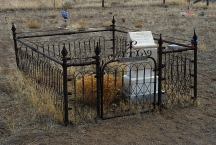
(113, 34)
(98, 79)
(207, 2)
(164, 1)
(160, 43)
(65, 89)
(103, 3)
(194, 44)
(15, 43)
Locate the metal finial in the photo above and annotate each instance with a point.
(97, 50)
(13, 27)
(160, 41)
(194, 39)
(113, 20)
(195, 36)
(64, 51)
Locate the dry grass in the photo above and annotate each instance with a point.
(42, 102)
(110, 89)
(202, 45)
(80, 25)
(176, 97)
(107, 24)
(138, 24)
(203, 5)
(67, 5)
(177, 2)
(30, 4)
(40, 4)
(33, 24)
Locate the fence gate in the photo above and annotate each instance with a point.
(129, 86)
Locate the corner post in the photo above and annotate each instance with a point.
(113, 34)
(194, 44)
(15, 43)
(65, 89)
(160, 43)
(98, 81)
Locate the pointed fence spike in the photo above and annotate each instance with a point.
(97, 49)
(194, 39)
(160, 41)
(13, 27)
(113, 20)
(64, 51)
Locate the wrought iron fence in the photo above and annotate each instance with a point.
(98, 74)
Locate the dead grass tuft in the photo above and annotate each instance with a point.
(33, 24)
(42, 102)
(138, 24)
(202, 45)
(30, 4)
(80, 25)
(112, 86)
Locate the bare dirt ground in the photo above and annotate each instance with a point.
(192, 125)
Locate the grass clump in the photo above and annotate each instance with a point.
(87, 89)
(33, 24)
(138, 24)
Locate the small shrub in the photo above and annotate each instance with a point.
(82, 24)
(138, 24)
(112, 86)
(33, 24)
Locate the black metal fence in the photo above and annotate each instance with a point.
(98, 74)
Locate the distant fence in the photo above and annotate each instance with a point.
(98, 74)
(52, 4)
(192, 1)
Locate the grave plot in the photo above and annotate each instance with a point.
(108, 72)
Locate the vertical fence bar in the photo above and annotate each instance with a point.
(194, 44)
(113, 34)
(98, 81)
(160, 43)
(15, 43)
(65, 89)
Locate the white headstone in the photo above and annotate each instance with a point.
(140, 85)
(137, 80)
(144, 39)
